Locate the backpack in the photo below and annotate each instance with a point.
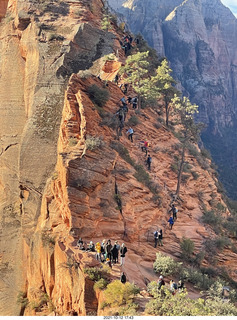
(156, 234)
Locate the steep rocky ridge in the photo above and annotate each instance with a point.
(53, 188)
(199, 38)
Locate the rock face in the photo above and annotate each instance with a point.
(199, 38)
(61, 165)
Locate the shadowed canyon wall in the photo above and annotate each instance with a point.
(200, 40)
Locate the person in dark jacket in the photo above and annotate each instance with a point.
(148, 162)
(123, 278)
(161, 282)
(156, 238)
(108, 249)
(160, 237)
(171, 222)
(114, 252)
(123, 251)
(80, 243)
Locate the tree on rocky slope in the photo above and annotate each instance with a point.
(162, 85)
(136, 69)
(189, 129)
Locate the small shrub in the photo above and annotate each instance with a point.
(222, 242)
(72, 142)
(195, 175)
(100, 284)
(187, 167)
(105, 23)
(206, 153)
(133, 121)
(118, 293)
(211, 218)
(98, 96)
(129, 310)
(22, 299)
(165, 265)
(184, 178)
(193, 151)
(187, 248)
(157, 125)
(198, 279)
(93, 143)
(174, 167)
(93, 273)
(122, 151)
(47, 240)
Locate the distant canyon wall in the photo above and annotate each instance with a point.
(200, 40)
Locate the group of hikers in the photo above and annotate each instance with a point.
(105, 251)
(173, 286)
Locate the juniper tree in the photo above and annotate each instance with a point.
(190, 131)
(162, 85)
(136, 69)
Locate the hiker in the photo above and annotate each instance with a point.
(134, 102)
(80, 243)
(181, 285)
(121, 114)
(98, 251)
(160, 237)
(129, 100)
(123, 251)
(123, 278)
(148, 162)
(114, 252)
(125, 90)
(119, 129)
(171, 222)
(123, 100)
(108, 248)
(173, 287)
(116, 79)
(91, 247)
(118, 248)
(174, 211)
(125, 111)
(156, 238)
(103, 253)
(161, 282)
(145, 146)
(130, 134)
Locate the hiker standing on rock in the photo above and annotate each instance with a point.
(160, 237)
(174, 211)
(161, 282)
(148, 162)
(114, 252)
(171, 222)
(130, 134)
(156, 238)
(98, 251)
(123, 251)
(123, 278)
(108, 249)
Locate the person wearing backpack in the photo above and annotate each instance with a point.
(174, 211)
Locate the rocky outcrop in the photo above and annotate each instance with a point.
(199, 39)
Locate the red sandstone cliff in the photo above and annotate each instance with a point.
(54, 188)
